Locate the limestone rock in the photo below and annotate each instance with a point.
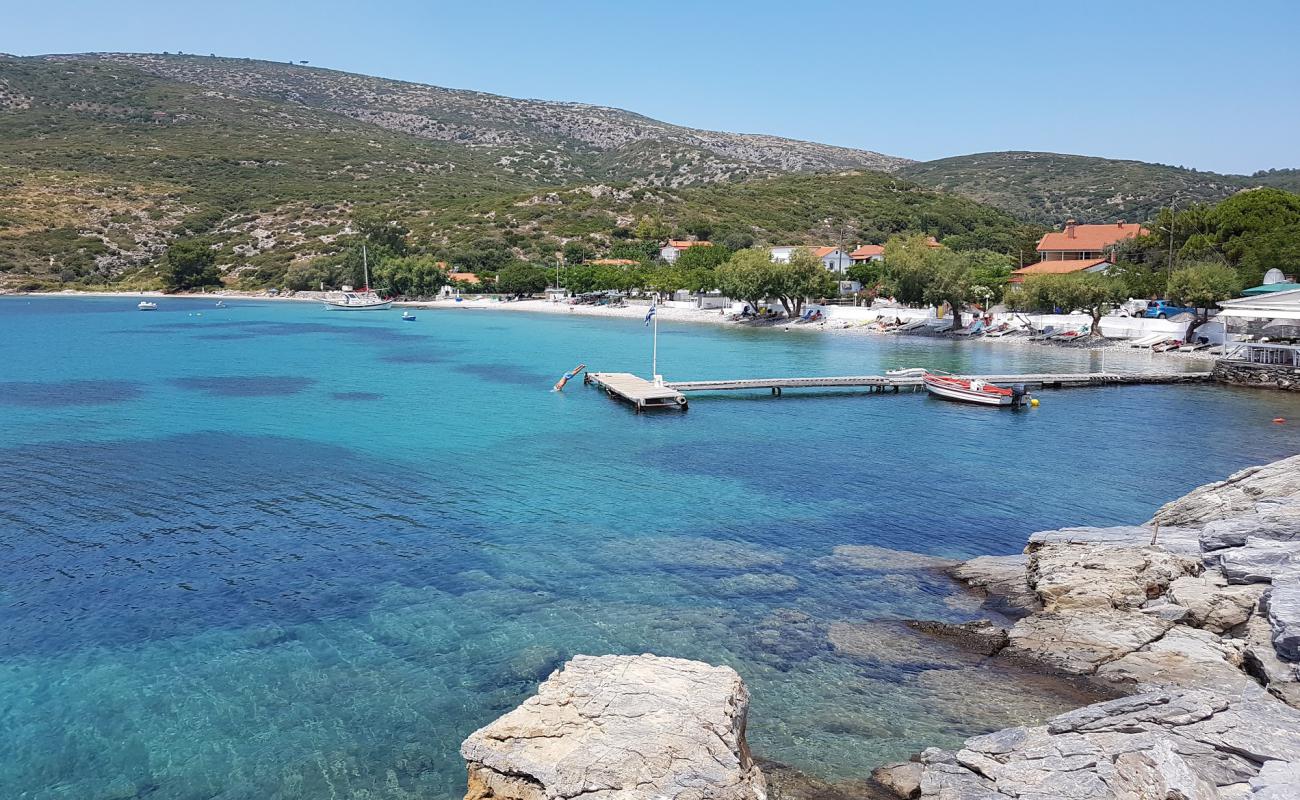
(1284, 617)
(621, 728)
(1183, 658)
(1240, 493)
(1278, 524)
(1082, 575)
(1260, 659)
(1212, 604)
(1153, 746)
(1259, 561)
(903, 780)
(1002, 578)
(1077, 642)
(1277, 780)
(1174, 539)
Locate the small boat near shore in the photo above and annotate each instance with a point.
(363, 299)
(408, 316)
(950, 387)
(146, 305)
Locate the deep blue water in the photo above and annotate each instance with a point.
(269, 551)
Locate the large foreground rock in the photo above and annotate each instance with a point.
(1192, 745)
(1284, 617)
(1078, 642)
(1241, 493)
(621, 728)
(1086, 575)
(1002, 578)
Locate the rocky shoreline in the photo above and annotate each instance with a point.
(1189, 624)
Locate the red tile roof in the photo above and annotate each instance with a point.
(868, 251)
(1063, 267)
(1090, 237)
(822, 252)
(682, 244)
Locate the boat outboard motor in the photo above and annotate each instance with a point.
(1019, 393)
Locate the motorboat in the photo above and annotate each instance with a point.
(408, 316)
(146, 305)
(221, 304)
(971, 390)
(909, 372)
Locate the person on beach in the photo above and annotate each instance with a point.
(568, 376)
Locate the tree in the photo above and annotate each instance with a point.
(870, 274)
(410, 276)
(1092, 292)
(736, 240)
(520, 278)
(701, 256)
(651, 229)
(576, 252)
(907, 267)
(804, 276)
(746, 276)
(947, 280)
(380, 232)
(189, 264)
(1202, 285)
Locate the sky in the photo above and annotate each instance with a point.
(1209, 85)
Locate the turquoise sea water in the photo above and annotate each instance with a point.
(270, 551)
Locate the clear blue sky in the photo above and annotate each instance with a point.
(1211, 85)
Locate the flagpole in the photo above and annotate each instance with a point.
(654, 349)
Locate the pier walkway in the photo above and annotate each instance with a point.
(644, 394)
(886, 383)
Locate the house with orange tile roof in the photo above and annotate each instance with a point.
(1061, 266)
(868, 252)
(1077, 242)
(676, 247)
(833, 258)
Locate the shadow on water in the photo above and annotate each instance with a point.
(244, 386)
(35, 394)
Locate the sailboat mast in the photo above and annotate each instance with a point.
(365, 266)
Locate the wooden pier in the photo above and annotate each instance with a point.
(889, 383)
(641, 393)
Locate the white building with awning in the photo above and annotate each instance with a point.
(1264, 329)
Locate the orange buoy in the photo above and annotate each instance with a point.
(1279, 420)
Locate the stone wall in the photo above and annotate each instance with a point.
(1264, 376)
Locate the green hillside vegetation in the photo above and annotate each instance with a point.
(853, 207)
(1050, 188)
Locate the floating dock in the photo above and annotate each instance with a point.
(641, 393)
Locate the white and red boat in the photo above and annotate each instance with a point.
(976, 391)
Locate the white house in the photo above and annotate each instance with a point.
(868, 252)
(676, 247)
(833, 258)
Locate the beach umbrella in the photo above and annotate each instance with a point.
(1283, 328)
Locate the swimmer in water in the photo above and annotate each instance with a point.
(568, 376)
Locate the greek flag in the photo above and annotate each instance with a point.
(649, 315)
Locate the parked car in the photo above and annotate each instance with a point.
(1160, 309)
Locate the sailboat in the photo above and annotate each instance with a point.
(364, 299)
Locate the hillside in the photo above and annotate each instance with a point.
(546, 141)
(860, 207)
(1049, 187)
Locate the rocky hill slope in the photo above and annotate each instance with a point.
(535, 139)
(1052, 187)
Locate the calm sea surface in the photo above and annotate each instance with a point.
(270, 551)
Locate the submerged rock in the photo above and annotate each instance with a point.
(883, 559)
(892, 644)
(980, 636)
(1002, 578)
(621, 728)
